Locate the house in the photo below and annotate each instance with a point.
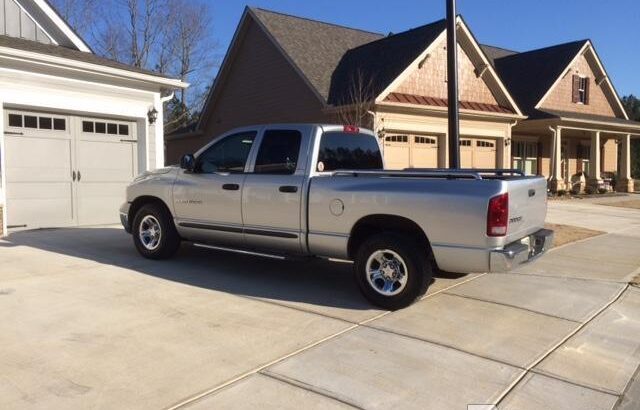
(75, 127)
(281, 68)
(577, 128)
(526, 110)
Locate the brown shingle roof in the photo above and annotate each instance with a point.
(314, 47)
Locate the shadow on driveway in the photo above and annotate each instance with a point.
(312, 281)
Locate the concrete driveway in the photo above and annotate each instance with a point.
(87, 323)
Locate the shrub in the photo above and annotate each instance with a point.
(602, 190)
(561, 192)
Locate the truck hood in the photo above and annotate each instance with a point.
(159, 171)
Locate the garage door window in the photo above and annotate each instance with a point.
(465, 143)
(485, 144)
(37, 122)
(397, 138)
(111, 128)
(424, 140)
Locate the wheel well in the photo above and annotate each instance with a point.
(141, 201)
(374, 224)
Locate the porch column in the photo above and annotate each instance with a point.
(625, 182)
(594, 179)
(556, 182)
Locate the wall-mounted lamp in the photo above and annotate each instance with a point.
(152, 115)
(507, 142)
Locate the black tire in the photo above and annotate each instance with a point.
(169, 240)
(415, 260)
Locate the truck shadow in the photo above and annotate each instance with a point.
(311, 281)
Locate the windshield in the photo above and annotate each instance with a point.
(340, 150)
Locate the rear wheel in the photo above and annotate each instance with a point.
(391, 271)
(154, 234)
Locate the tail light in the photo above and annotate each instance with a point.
(498, 215)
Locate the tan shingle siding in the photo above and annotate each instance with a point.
(429, 81)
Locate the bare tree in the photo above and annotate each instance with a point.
(357, 103)
(172, 37)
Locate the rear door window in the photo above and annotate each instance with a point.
(278, 152)
(340, 150)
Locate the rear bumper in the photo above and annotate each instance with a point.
(124, 216)
(523, 251)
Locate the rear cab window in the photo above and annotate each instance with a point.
(348, 151)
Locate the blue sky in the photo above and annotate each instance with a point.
(519, 25)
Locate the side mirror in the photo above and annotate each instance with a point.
(188, 162)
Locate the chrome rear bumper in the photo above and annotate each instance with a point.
(523, 251)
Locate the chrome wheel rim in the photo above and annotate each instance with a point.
(387, 272)
(150, 232)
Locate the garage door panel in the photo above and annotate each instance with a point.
(106, 161)
(396, 157)
(38, 159)
(424, 152)
(477, 153)
(40, 205)
(98, 202)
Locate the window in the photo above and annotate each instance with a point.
(87, 126)
(15, 120)
(465, 143)
(36, 122)
(123, 129)
(525, 156)
(580, 90)
(112, 129)
(485, 144)
(339, 150)
(228, 155)
(424, 140)
(45, 123)
(30, 121)
(278, 152)
(583, 154)
(101, 128)
(396, 138)
(59, 124)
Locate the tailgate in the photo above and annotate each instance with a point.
(527, 206)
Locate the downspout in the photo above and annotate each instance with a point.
(167, 98)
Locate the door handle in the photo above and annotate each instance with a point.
(231, 187)
(288, 189)
(532, 192)
(73, 175)
(79, 176)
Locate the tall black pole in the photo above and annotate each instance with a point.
(452, 82)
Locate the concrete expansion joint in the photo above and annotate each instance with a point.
(546, 354)
(213, 390)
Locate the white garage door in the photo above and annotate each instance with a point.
(410, 151)
(66, 170)
(477, 153)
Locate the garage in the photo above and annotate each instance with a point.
(75, 127)
(410, 151)
(477, 153)
(64, 170)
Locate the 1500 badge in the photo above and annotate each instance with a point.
(189, 201)
(515, 220)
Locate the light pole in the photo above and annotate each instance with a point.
(452, 83)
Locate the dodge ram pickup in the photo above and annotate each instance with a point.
(292, 190)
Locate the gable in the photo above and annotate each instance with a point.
(430, 80)
(601, 99)
(15, 21)
(256, 85)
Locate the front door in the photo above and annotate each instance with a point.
(208, 200)
(271, 199)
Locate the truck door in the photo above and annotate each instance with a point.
(271, 198)
(208, 200)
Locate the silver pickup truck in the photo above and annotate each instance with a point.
(291, 190)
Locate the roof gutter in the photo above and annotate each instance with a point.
(81, 66)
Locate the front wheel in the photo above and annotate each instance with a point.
(391, 271)
(154, 234)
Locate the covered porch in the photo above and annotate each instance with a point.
(577, 153)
